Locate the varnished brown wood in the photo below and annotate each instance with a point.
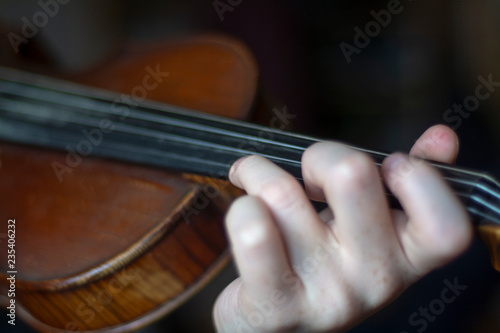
(211, 74)
(490, 235)
(114, 245)
(171, 270)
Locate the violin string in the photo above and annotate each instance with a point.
(378, 155)
(166, 120)
(174, 122)
(124, 128)
(71, 89)
(105, 106)
(188, 140)
(210, 129)
(190, 125)
(222, 132)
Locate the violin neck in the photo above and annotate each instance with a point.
(84, 121)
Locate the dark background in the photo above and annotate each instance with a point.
(428, 58)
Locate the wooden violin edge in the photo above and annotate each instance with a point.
(139, 322)
(158, 281)
(490, 235)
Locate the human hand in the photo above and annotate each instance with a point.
(300, 270)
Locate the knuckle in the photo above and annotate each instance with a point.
(233, 217)
(354, 170)
(248, 163)
(319, 150)
(246, 207)
(243, 208)
(281, 192)
(314, 149)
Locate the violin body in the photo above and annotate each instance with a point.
(112, 246)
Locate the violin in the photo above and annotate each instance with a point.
(117, 184)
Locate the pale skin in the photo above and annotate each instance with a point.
(304, 271)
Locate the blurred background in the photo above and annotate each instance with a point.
(383, 95)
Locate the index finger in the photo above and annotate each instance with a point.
(295, 216)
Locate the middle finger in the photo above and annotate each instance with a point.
(351, 184)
